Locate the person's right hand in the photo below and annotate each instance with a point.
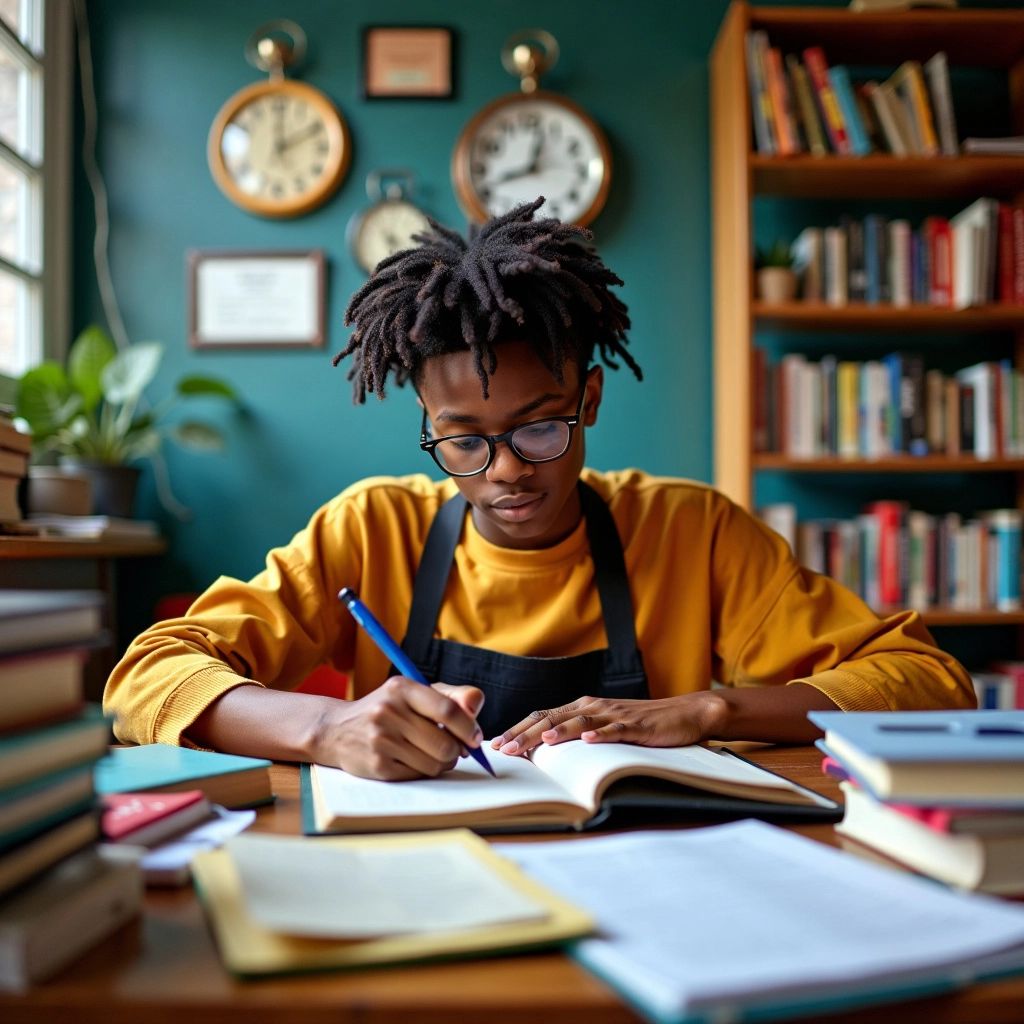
(393, 733)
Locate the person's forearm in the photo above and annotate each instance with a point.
(279, 725)
(773, 714)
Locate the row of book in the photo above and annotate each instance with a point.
(894, 556)
(801, 104)
(1000, 686)
(884, 407)
(974, 258)
(940, 792)
(15, 448)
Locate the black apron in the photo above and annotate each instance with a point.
(516, 686)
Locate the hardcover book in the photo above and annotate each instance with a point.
(147, 819)
(48, 618)
(568, 785)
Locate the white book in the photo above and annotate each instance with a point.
(816, 929)
(974, 239)
(66, 912)
(781, 517)
(836, 280)
(981, 377)
(936, 72)
(899, 262)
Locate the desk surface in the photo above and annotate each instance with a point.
(165, 968)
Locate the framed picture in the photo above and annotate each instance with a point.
(256, 299)
(408, 62)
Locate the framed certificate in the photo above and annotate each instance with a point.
(408, 62)
(256, 299)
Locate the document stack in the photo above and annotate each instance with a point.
(940, 792)
(15, 448)
(59, 893)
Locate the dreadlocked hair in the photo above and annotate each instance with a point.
(514, 278)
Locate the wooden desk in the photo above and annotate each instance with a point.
(165, 970)
(59, 563)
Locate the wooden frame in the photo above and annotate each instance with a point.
(408, 62)
(256, 299)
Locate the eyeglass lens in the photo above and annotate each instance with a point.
(535, 442)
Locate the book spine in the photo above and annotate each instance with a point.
(935, 405)
(890, 515)
(856, 274)
(917, 94)
(758, 98)
(899, 271)
(1005, 257)
(785, 128)
(1018, 255)
(937, 72)
(1006, 533)
(800, 84)
(839, 79)
(831, 115)
(939, 237)
(886, 121)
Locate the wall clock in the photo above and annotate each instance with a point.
(278, 148)
(387, 225)
(532, 143)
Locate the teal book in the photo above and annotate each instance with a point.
(226, 779)
(32, 753)
(939, 758)
(33, 807)
(839, 78)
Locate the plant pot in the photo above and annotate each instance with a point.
(776, 284)
(113, 487)
(53, 490)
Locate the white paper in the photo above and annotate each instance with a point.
(747, 913)
(168, 862)
(323, 888)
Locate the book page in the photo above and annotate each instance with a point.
(467, 788)
(358, 889)
(583, 768)
(746, 914)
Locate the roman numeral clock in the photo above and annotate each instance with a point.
(278, 148)
(532, 143)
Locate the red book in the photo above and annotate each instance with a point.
(1004, 254)
(831, 114)
(1015, 670)
(1018, 255)
(147, 819)
(891, 574)
(939, 240)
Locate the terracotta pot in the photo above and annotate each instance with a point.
(776, 284)
(113, 487)
(53, 490)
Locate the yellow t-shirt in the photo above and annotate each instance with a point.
(716, 596)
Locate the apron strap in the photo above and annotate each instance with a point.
(609, 575)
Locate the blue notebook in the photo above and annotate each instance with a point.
(227, 779)
(941, 758)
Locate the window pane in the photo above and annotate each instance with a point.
(24, 18)
(10, 11)
(18, 316)
(19, 106)
(19, 227)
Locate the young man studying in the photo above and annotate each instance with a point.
(547, 600)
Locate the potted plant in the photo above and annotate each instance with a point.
(94, 417)
(776, 279)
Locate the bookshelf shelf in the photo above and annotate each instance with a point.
(891, 464)
(880, 176)
(959, 617)
(859, 317)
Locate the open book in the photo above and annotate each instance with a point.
(569, 785)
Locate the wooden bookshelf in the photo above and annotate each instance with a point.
(980, 38)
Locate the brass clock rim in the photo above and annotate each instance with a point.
(337, 128)
(466, 195)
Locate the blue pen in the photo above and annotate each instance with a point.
(379, 635)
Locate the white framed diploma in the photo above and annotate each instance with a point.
(256, 299)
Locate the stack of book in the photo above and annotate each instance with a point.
(59, 894)
(15, 448)
(801, 104)
(940, 792)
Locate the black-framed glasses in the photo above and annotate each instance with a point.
(468, 454)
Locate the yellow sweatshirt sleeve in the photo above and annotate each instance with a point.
(780, 623)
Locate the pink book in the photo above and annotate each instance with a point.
(146, 819)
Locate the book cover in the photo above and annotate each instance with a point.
(47, 618)
(760, 108)
(227, 779)
(828, 104)
(839, 78)
(936, 71)
(782, 105)
(38, 805)
(40, 686)
(908, 81)
(29, 858)
(146, 819)
(75, 741)
(810, 119)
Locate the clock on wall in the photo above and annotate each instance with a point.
(388, 224)
(278, 148)
(532, 143)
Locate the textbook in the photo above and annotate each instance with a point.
(22, 862)
(28, 755)
(568, 785)
(265, 915)
(227, 779)
(746, 921)
(47, 618)
(991, 862)
(952, 758)
(148, 819)
(34, 806)
(40, 686)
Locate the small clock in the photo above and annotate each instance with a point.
(532, 143)
(278, 148)
(389, 223)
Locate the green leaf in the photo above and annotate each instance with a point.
(131, 372)
(44, 399)
(90, 352)
(206, 386)
(198, 436)
(141, 444)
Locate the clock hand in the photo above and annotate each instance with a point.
(530, 168)
(299, 136)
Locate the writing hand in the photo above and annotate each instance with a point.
(670, 722)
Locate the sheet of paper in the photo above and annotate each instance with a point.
(466, 787)
(729, 913)
(164, 860)
(362, 889)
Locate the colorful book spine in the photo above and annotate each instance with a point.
(810, 119)
(839, 79)
(782, 107)
(759, 105)
(828, 104)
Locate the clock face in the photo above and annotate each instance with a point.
(521, 147)
(279, 148)
(386, 228)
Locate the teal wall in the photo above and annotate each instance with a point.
(162, 70)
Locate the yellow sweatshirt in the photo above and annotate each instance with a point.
(717, 596)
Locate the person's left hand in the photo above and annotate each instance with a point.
(670, 722)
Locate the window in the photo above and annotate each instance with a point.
(36, 69)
